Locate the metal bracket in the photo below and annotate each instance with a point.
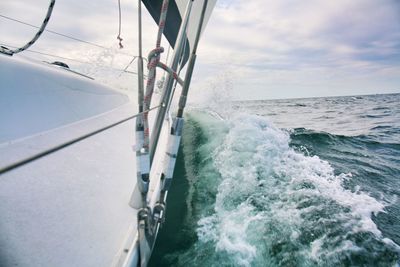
(159, 213)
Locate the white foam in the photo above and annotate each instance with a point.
(257, 164)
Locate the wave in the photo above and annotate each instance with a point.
(255, 199)
(323, 138)
(381, 108)
(375, 116)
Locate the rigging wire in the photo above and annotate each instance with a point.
(125, 70)
(127, 66)
(72, 59)
(67, 143)
(166, 62)
(50, 55)
(63, 35)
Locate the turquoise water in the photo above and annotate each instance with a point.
(301, 182)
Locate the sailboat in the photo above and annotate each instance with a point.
(71, 191)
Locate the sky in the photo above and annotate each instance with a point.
(258, 49)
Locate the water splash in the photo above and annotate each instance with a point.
(275, 206)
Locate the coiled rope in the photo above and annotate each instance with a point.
(37, 35)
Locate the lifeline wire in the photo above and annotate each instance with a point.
(66, 144)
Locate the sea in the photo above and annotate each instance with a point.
(292, 182)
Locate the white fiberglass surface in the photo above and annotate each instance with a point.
(71, 207)
(36, 97)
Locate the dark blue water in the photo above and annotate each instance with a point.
(300, 182)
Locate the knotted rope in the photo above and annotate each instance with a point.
(153, 61)
(119, 38)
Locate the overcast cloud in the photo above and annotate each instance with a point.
(254, 49)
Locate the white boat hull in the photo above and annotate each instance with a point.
(71, 207)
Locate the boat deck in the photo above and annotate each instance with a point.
(71, 207)
(72, 203)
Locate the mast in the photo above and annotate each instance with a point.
(192, 61)
(175, 128)
(144, 170)
(151, 213)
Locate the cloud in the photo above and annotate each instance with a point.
(273, 48)
(289, 46)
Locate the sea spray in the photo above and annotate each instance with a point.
(275, 202)
(262, 196)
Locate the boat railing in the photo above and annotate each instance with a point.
(150, 218)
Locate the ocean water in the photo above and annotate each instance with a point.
(299, 182)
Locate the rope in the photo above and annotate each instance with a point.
(41, 29)
(119, 26)
(64, 35)
(171, 72)
(153, 60)
(66, 144)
